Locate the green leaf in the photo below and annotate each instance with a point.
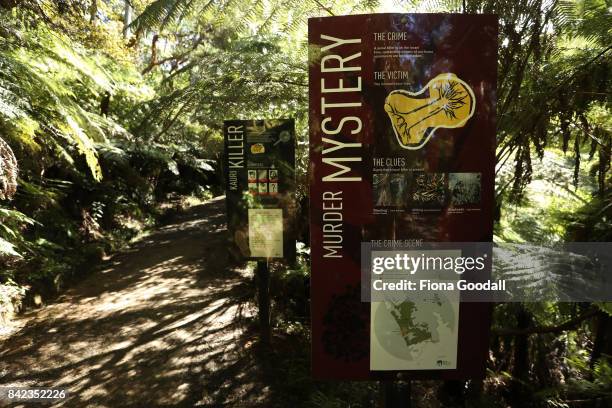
(605, 307)
(6, 248)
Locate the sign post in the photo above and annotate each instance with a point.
(402, 150)
(396, 394)
(262, 274)
(260, 198)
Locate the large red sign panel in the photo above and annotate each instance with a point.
(402, 149)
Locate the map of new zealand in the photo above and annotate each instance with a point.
(415, 334)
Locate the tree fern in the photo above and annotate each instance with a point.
(8, 171)
(46, 105)
(12, 242)
(160, 13)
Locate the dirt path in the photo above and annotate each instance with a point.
(158, 325)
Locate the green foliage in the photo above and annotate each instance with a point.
(551, 200)
(12, 222)
(605, 306)
(591, 385)
(228, 59)
(292, 284)
(47, 104)
(70, 96)
(8, 171)
(245, 17)
(163, 12)
(559, 44)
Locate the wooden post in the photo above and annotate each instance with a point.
(263, 300)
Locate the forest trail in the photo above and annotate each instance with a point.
(157, 325)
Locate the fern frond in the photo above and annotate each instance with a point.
(8, 171)
(160, 13)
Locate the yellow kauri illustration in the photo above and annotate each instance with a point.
(445, 102)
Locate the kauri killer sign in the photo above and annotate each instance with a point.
(402, 142)
(260, 187)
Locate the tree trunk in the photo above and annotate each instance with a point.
(602, 345)
(93, 12)
(127, 19)
(520, 369)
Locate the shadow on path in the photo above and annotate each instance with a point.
(159, 325)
